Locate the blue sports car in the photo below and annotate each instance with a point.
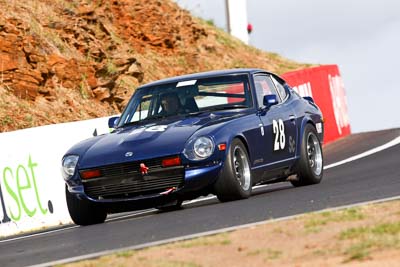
(219, 132)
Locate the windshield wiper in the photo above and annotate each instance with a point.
(217, 108)
(144, 120)
(128, 124)
(227, 107)
(154, 117)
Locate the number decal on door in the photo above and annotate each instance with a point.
(279, 131)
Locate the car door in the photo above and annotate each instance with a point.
(279, 124)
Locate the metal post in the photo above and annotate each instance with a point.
(228, 21)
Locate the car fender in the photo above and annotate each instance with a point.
(242, 138)
(227, 135)
(307, 119)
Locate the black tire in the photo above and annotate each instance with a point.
(83, 212)
(234, 181)
(175, 205)
(310, 167)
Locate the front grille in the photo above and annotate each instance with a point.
(125, 180)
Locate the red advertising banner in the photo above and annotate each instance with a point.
(325, 85)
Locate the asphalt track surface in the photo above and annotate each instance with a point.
(370, 178)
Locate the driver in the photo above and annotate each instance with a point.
(170, 104)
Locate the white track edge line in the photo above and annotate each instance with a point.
(39, 234)
(394, 142)
(208, 233)
(214, 197)
(70, 227)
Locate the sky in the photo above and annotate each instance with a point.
(361, 36)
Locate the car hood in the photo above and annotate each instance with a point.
(156, 139)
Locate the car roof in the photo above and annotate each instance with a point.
(207, 74)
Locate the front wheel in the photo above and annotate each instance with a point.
(84, 212)
(311, 164)
(235, 180)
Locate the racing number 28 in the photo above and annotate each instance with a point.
(279, 131)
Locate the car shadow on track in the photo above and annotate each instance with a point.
(199, 203)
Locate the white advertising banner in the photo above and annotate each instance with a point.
(32, 193)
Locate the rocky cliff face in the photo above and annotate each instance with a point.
(76, 50)
(67, 60)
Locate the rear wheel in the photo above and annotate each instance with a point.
(235, 180)
(311, 164)
(84, 212)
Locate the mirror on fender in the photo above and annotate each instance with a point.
(309, 99)
(269, 101)
(112, 122)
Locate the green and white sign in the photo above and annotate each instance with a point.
(32, 195)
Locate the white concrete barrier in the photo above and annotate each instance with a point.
(31, 185)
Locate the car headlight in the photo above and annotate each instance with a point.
(69, 165)
(199, 148)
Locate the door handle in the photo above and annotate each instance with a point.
(292, 117)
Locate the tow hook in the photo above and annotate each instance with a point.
(168, 191)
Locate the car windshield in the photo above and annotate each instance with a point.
(187, 97)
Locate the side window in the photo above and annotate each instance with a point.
(280, 88)
(264, 86)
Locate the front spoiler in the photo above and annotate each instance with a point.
(196, 180)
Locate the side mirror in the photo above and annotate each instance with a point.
(269, 101)
(309, 99)
(112, 122)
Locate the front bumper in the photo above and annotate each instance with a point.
(195, 180)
